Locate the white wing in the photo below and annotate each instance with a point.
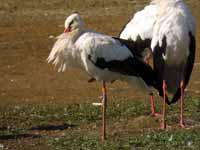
(141, 24)
(96, 46)
(62, 52)
(99, 45)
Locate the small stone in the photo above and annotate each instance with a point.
(51, 36)
(56, 139)
(171, 138)
(189, 143)
(12, 80)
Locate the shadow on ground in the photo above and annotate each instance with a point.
(52, 127)
(19, 136)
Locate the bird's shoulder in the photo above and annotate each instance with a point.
(175, 22)
(96, 40)
(150, 10)
(186, 12)
(177, 15)
(100, 45)
(141, 24)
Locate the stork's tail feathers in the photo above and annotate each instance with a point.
(176, 97)
(167, 101)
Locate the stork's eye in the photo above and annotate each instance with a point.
(71, 22)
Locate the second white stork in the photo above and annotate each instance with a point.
(173, 46)
(140, 30)
(103, 57)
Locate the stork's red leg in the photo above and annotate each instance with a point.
(163, 123)
(152, 104)
(153, 112)
(104, 105)
(182, 125)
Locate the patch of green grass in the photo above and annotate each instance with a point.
(180, 139)
(128, 123)
(86, 143)
(25, 116)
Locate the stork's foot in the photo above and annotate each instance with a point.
(182, 124)
(163, 125)
(153, 110)
(156, 114)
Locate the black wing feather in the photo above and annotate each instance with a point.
(159, 63)
(132, 67)
(136, 47)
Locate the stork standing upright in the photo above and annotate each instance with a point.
(140, 30)
(103, 57)
(173, 46)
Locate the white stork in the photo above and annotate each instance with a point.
(103, 57)
(168, 28)
(173, 46)
(140, 30)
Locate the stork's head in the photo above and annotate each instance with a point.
(73, 23)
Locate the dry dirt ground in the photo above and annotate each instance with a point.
(26, 31)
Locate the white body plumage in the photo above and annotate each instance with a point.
(140, 29)
(175, 23)
(99, 45)
(70, 51)
(141, 24)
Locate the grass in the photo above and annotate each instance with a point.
(77, 126)
(179, 139)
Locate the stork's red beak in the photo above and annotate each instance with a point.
(67, 30)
